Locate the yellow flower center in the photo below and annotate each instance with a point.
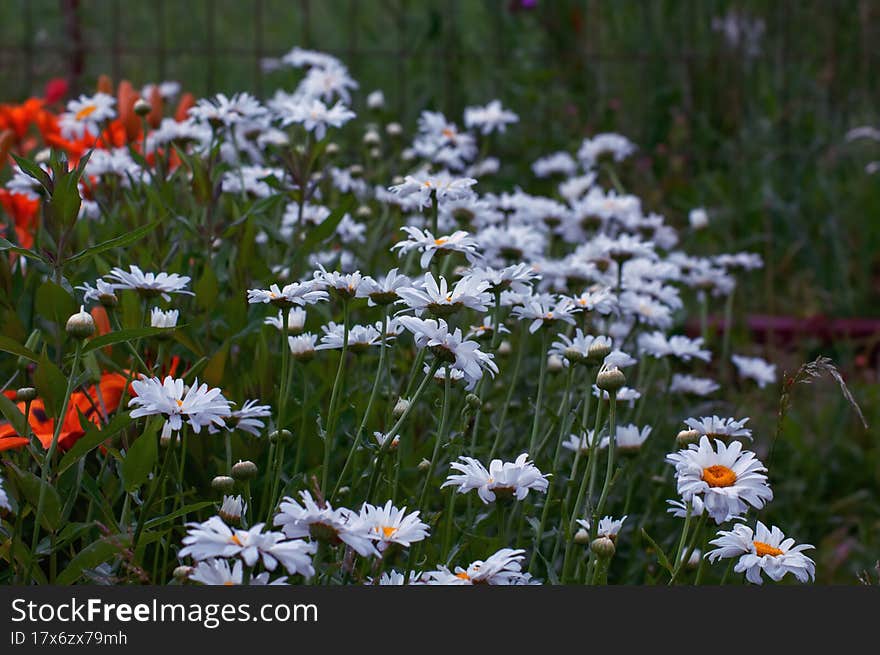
(549, 316)
(762, 549)
(85, 112)
(449, 133)
(234, 539)
(388, 531)
(719, 476)
(463, 575)
(440, 241)
(179, 403)
(229, 583)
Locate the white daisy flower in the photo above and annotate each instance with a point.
(624, 394)
(659, 345)
(213, 538)
(717, 427)
(313, 115)
(503, 567)
(517, 278)
(101, 289)
(226, 111)
(689, 384)
(4, 499)
(360, 337)
(397, 579)
(248, 417)
(216, 572)
(434, 295)
(428, 245)
(698, 218)
(197, 405)
(296, 320)
(545, 311)
(619, 147)
(302, 346)
(160, 319)
(384, 290)
(759, 370)
(450, 347)
(629, 438)
(323, 523)
(149, 285)
(389, 525)
(232, 509)
(491, 118)
(441, 185)
(608, 527)
(295, 293)
(763, 550)
(726, 478)
(557, 163)
(506, 479)
(87, 113)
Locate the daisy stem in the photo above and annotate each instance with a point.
(704, 316)
(698, 531)
(539, 398)
(389, 438)
(725, 339)
(157, 485)
(47, 460)
(612, 447)
(228, 439)
(334, 401)
(496, 333)
(357, 437)
(586, 481)
(302, 428)
(681, 542)
(435, 212)
(516, 366)
(563, 413)
(441, 434)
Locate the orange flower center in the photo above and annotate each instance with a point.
(234, 539)
(463, 575)
(719, 476)
(85, 112)
(762, 549)
(179, 403)
(388, 531)
(229, 583)
(440, 241)
(449, 133)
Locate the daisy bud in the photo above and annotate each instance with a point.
(223, 483)
(331, 150)
(375, 153)
(598, 351)
(363, 212)
(372, 138)
(244, 471)
(344, 490)
(424, 465)
(81, 325)
(182, 573)
(400, 407)
(356, 170)
(25, 395)
(603, 547)
(232, 509)
(504, 348)
(394, 129)
(687, 437)
(142, 107)
(473, 401)
(554, 364)
(582, 537)
(280, 435)
(574, 355)
(108, 300)
(610, 380)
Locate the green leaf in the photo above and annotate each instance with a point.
(214, 369)
(93, 438)
(141, 458)
(13, 414)
(10, 346)
(51, 384)
(661, 556)
(323, 231)
(118, 242)
(91, 556)
(206, 288)
(30, 486)
(54, 302)
(33, 169)
(121, 336)
(8, 245)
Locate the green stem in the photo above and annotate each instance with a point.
(329, 435)
(536, 421)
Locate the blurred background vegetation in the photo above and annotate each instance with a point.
(741, 106)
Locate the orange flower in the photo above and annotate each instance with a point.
(24, 214)
(94, 403)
